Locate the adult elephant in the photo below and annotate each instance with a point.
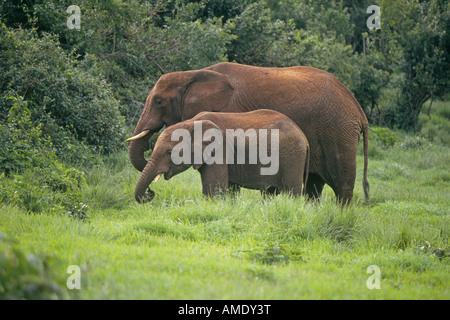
(325, 110)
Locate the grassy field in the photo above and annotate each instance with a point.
(185, 246)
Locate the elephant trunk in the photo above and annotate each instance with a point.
(139, 142)
(136, 151)
(147, 176)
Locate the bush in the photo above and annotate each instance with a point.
(29, 277)
(367, 81)
(32, 175)
(384, 136)
(31, 192)
(23, 144)
(414, 142)
(60, 94)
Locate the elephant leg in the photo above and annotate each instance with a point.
(345, 176)
(295, 190)
(293, 182)
(344, 188)
(314, 186)
(270, 192)
(234, 189)
(344, 195)
(214, 178)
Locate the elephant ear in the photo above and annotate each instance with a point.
(212, 140)
(208, 91)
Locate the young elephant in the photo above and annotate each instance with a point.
(261, 149)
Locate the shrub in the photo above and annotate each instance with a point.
(413, 142)
(28, 276)
(23, 144)
(61, 95)
(384, 136)
(32, 175)
(30, 192)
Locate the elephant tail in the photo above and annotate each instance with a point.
(365, 132)
(306, 171)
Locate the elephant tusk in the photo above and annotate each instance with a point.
(157, 178)
(140, 135)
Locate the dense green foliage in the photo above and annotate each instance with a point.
(32, 176)
(416, 45)
(64, 95)
(123, 47)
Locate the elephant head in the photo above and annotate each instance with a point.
(176, 97)
(181, 139)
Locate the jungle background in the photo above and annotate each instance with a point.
(69, 98)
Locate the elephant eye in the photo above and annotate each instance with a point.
(158, 103)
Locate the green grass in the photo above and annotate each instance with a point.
(185, 246)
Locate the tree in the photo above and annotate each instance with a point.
(418, 31)
(357, 10)
(255, 34)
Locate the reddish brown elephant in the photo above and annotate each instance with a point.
(262, 150)
(325, 110)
